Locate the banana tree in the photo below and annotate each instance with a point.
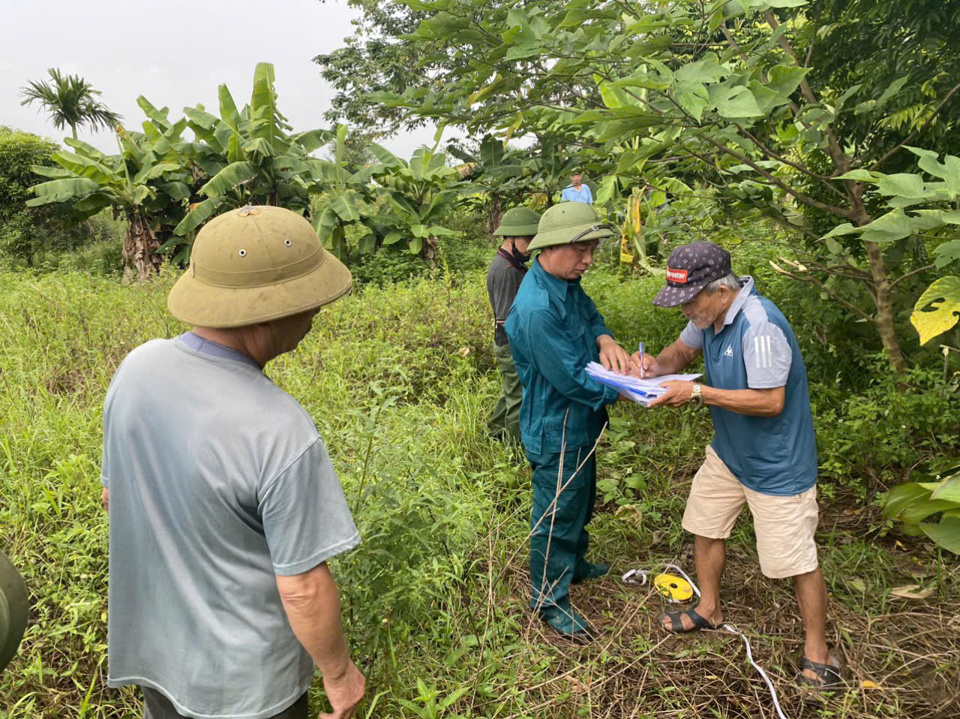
(251, 156)
(347, 200)
(419, 193)
(148, 184)
(496, 170)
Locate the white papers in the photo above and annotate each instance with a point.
(641, 391)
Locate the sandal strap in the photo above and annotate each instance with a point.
(676, 623)
(830, 673)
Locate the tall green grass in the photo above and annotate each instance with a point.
(400, 380)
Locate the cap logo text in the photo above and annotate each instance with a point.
(678, 276)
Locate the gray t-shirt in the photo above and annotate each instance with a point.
(218, 482)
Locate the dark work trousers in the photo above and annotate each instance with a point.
(157, 706)
(506, 415)
(559, 540)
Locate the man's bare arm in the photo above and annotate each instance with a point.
(312, 605)
(672, 360)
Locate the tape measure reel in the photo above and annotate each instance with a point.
(673, 588)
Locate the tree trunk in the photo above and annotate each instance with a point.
(884, 316)
(495, 213)
(140, 247)
(882, 297)
(73, 129)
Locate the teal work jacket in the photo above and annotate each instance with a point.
(553, 329)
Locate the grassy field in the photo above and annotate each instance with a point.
(399, 381)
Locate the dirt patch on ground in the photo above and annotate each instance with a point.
(902, 663)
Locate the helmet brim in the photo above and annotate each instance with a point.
(202, 304)
(571, 234)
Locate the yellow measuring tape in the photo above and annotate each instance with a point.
(672, 587)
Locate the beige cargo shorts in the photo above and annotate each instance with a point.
(785, 526)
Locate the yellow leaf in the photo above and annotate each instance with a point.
(938, 309)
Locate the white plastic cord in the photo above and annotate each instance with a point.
(643, 574)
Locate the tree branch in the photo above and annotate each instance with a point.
(823, 288)
(917, 271)
(806, 199)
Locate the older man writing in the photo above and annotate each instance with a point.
(763, 451)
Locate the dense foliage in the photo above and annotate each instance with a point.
(400, 381)
(26, 232)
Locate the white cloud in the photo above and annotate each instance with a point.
(176, 54)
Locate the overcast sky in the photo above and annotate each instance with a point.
(175, 53)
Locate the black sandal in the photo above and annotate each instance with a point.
(676, 621)
(829, 674)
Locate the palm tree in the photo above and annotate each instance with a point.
(70, 100)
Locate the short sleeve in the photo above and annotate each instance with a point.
(692, 336)
(766, 355)
(305, 515)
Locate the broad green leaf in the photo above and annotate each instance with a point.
(901, 185)
(894, 225)
(228, 108)
(858, 175)
(393, 237)
(160, 117)
(845, 229)
(766, 98)
(693, 97)
(198, 214)
(734, 101)
(62, 191)
(785, 79)
(946, 533)
(910, 503)
(345, 209)
(151, 173)
(895, 87)
(948, 490)
(947, 253)
(706, 70)
(938, 309)
(230, 177)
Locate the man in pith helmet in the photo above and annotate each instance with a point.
(517, 228)
(555, 330)
(224, 505)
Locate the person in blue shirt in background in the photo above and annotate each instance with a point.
(554, 331)
(576, 191)
(763, 452)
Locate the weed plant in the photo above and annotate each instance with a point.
(399, 379)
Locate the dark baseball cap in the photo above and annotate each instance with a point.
(691, 268)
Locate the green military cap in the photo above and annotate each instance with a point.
(518, 222)
(13, 610)
(256, 264)
(567, 223)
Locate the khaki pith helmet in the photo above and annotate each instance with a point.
(13, 610)
(569, 222)
(256, 264)
(518, 222)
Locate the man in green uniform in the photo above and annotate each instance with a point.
(555, 330)
(517, 228)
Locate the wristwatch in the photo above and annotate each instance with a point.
(696, 396)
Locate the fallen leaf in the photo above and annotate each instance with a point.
(858, 584)
(867, 684)
(909, 591)
(463, 351)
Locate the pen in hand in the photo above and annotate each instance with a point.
(641, 360)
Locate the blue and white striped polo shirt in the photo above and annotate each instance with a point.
(756, 349)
